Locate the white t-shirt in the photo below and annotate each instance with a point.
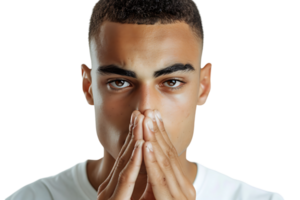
(73, 184)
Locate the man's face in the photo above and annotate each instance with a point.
(145, 49)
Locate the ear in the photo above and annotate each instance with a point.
(87, 84)
(204, 87)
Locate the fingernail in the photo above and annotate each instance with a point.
(138, 143)
(149, 147)
(150, 125)
(151, 115)
(132, 119)
(158, 115)
(135, 120)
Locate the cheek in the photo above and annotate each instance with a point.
(181, 133)
(111, 133)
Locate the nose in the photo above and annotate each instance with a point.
(146, 97)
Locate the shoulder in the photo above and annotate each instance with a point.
(33, 191)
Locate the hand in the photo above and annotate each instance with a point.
(166, 179)
(120, 182)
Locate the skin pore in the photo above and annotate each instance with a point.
(144, 49)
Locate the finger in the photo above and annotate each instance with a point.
(132, 134)
(122, 161)
(160, 135)
(129, 174)
(138, 128)
(134, 115)
(171, 152)
(158, 166)
(164, 140)
(161, 126)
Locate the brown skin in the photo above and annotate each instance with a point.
(144, 49)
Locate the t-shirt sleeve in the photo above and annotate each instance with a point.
(34, 191)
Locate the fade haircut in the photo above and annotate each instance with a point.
(147, 12)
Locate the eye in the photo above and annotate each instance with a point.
(117, 83)
(175, 82)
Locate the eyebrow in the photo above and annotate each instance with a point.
(114, 69)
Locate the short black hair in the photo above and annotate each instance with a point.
(146, 12)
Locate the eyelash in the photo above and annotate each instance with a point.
(171, 88)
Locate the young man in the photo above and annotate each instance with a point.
(144, 50)
(146, 58)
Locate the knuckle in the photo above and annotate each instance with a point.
(162, 181)
(166, 163)
(122, 178)
(121, 163)
(170, 153)
(125, 179)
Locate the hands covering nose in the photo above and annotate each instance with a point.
(148, 140)
(165, 176)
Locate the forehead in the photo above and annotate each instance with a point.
(160, 44)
